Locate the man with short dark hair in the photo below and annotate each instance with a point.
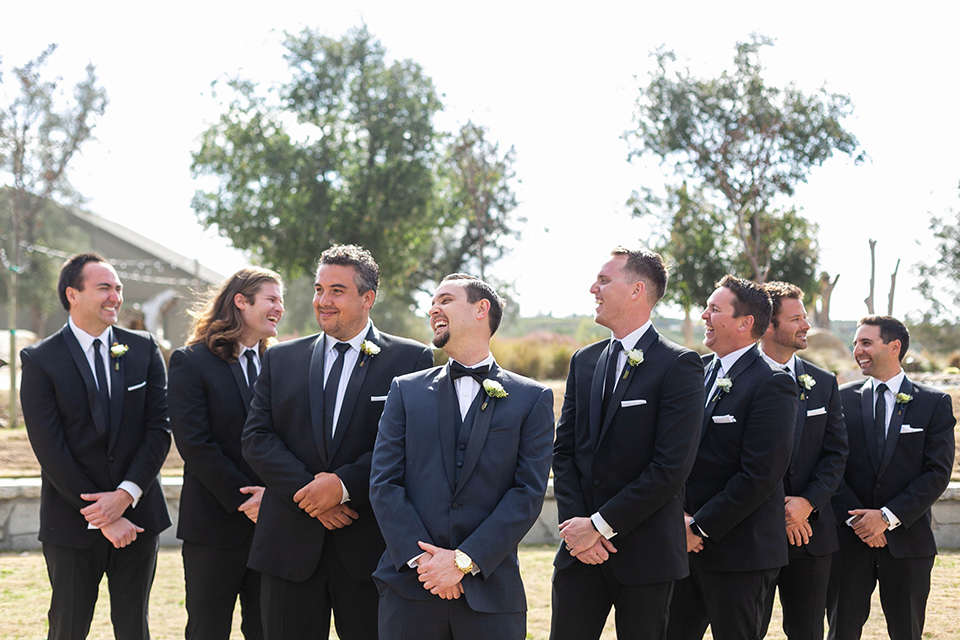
(734, 495)
(211, 383)
(626, 440)
(95, 406)
(309, 436)
(816, 466)
(901, 456)
(458, 478)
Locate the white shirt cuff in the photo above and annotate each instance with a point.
(135, 491)
(894, 520)
(346, 494)
(414, 562)
(605, 529)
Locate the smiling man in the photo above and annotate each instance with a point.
(734, 495)
(901, 455)
(95, 405)
(816, 466)
(459, 473)
(626, 441)
(211, 385)
(309, 436)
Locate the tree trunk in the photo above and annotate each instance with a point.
(873, 270)
(822, 315)
(893, 287)
(687, 329)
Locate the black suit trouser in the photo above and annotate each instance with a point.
(803, 595)
(904, 587)
(732, 603)
(293, 610)
(583, 595)
(75, 576)
(214, 578)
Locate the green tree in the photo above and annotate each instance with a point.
(940, 280)
(344, 153)
(745, 146)
(40, 131)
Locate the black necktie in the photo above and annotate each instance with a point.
(330, 390)
(610, 379)
(458, 371)
(251, 368)
(101, 372)
(880, 418)
(712, 376)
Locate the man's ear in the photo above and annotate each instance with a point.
(240, 301)
(369, 297)
(483, 308)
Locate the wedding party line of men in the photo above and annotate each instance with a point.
(342, 472)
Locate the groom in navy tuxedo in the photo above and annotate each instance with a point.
(458, 477)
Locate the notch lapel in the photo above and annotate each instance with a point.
(237, 372)
(709, 365)
(352, 394)
(626, 378)
(478, 433)
(80, 359)
(896, 421)
(449, 412)
(315, 396)
(866, 419)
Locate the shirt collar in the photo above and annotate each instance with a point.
(85, 339)
(791, 364)
(630, 340)
(893, 384)
(354, 342)
(489, 361)
(731, 358)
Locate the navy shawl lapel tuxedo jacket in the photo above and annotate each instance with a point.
(632, 467)
(76, 451)
(735, 491)
(908, 476)
(209, 399)
(819, 455)
(283, 442)
(487, 510)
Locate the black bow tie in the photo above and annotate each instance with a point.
(479, 374)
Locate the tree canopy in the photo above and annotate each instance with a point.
(738, 148)
(940, 280)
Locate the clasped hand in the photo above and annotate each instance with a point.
(584, 542)
(106, 507)
(438, 571)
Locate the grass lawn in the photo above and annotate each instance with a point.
(25, 595)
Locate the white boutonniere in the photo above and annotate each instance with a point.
(493, 389)
(723, 386)
(369, 349)
(634, 357)
(807, 382)
(116, 352)
(903, 398)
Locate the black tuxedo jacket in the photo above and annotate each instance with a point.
(284, 444)
(632, 466)
(209, 399)
(819, 455)
(486, 506)
(68, 432)
(909, 474)
(735, 491)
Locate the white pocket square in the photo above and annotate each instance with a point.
(905, 428)
(724, 419)
(817, 412)
(137, 386)
(377, 398)
(632, 403)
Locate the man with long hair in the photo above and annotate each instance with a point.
(211, 386)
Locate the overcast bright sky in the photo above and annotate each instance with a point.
(558, 81)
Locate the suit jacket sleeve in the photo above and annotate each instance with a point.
(500, 533)
(145, 466)
(262, 446)
(918, 496)
(190, 420)
(678, 424)
(566, 476)
(399, 522)
(45, 429)
(829, 468)
(764, 457)
(356, 475)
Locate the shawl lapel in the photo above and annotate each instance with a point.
(596, 395)
(237, 372)
(315, 395)
(352, 394)
(626, 378)
(738, 367)
(116, 367)
(801, 411)
(80, 359)
(893, 432)
(866, 419)
(449, 411)
(478, 433)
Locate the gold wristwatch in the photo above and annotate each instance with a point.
(463, 562)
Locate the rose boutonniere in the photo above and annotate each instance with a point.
(723, 386)
(116, 352)
(493, 389)
(807, 382)
(634, 357)
(901, 400)
(369, 349)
